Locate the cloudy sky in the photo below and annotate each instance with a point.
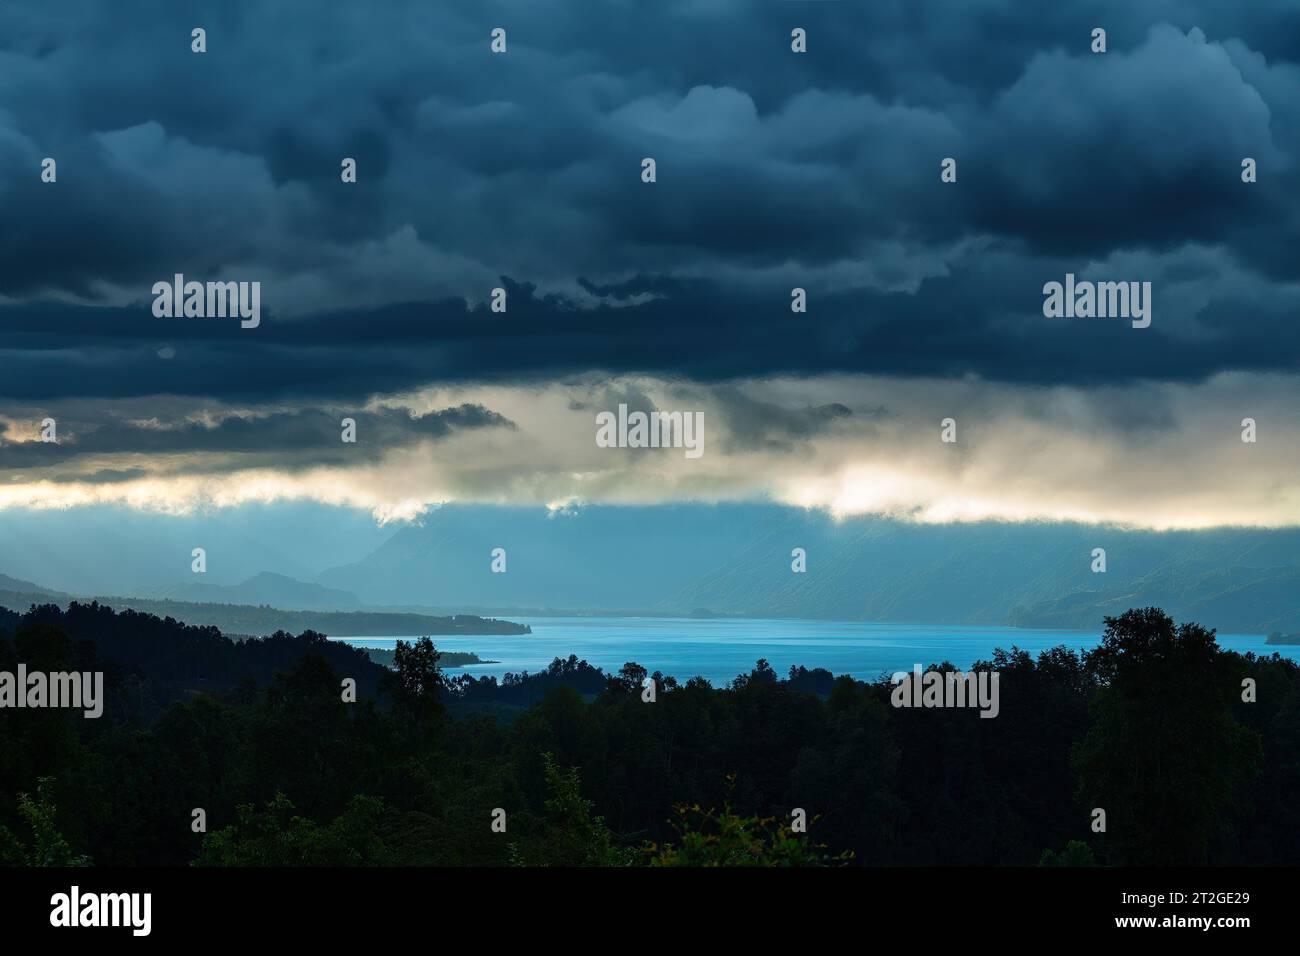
(775, 170)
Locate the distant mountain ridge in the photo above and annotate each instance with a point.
(1250, 599)
(736, 560)
(17, 586)
(277, 590)
(262, 619)
(18, 595)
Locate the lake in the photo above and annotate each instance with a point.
(720, 648)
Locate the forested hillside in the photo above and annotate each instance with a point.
(1151, 726)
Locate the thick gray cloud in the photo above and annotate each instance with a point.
(1152, 455)
(775, 170)
(232, 440)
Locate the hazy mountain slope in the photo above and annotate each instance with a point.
(103, 549)
(19, 586)
(608, 557)
(277, 590)
(735, 559)
(1246, 599)
(19, 595)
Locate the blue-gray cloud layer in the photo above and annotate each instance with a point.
(775, 170)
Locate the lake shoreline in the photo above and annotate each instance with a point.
(719, 649)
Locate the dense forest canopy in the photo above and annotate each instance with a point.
(1152, 726)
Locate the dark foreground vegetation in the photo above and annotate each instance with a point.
(386, 656)
(1151, 727)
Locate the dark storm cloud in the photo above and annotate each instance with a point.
(982, 319)
(755, 424)
(287, 440)
(774, 171)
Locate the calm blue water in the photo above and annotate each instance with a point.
(719, 649)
